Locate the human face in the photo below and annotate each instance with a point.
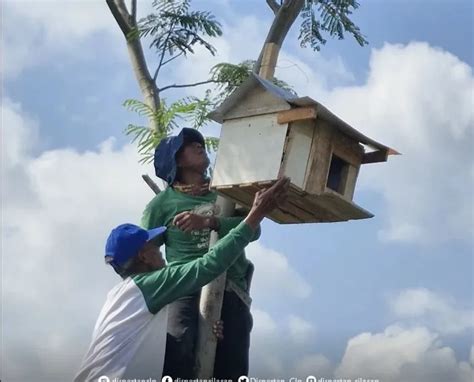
(193, 156)
(151, 255)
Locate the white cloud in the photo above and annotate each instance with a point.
(400, 354)
(57, 209)
(300, 330)
(264, 334)
(280, 347)
(313, 364)
(419, 100)
(433, 310)
(264, 323)
(53, 28)
(274, 277)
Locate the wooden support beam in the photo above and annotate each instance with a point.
(378, 156)
(375, 157)
(297, 114)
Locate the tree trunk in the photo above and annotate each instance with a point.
(148, 87)
(127, 23)
(285, 17)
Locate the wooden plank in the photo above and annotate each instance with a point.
(345, 209)
(322, 210)
(250, 150)
(300, 213)
(244, 197)
(287, 214)
(347, 149)
(375, 156)
(298, 148)
(283, 155)
(301, 207)
(307, 210)
(256, 102)
(296, 114)
(319, 159)
(350, 178)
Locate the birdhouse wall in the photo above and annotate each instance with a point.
(319, 159)
(257, 101)
(333, 162)
(351, 152)
(250, 150)
(297, 151)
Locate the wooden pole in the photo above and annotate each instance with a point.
(151, 183)
(212, 296)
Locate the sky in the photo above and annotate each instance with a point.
(389, 297)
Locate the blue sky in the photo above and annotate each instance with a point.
(391, 296)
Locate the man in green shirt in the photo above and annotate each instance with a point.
(128, 341)
(187, 208)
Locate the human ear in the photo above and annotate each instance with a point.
(142, 255)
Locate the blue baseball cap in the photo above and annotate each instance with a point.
(165, 152)
(126, 240)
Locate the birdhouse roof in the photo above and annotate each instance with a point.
(293, 100)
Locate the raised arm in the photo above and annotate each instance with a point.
(164, 286)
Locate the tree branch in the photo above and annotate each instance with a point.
(275, 7)
(121, 15)
(188, 85)
(147, 85)
(134, 11)
(163, 52)
(164, 63)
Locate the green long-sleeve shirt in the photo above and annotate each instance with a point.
(182, 247)
(130, 333)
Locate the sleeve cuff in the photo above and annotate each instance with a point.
(245, 230)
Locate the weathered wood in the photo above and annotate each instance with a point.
(256, 102)
(300, 206)
(350, 178)
(210, 306)
(346, 148)
(324, 213)
(345, 209)
(375, 156)
(243, 156)
(296, 114)
(319, 159)
(297, 151)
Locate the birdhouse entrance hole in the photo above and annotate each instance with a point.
(338, 170)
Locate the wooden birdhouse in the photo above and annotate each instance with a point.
(268, 132)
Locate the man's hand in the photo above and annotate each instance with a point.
(267, 200)
(187, 222)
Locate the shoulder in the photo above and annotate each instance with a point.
(160, 198)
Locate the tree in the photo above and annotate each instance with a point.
(175, 29)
